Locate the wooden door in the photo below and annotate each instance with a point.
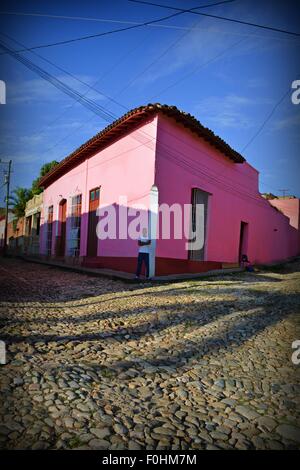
(63, 221)
(199, 197)
(49, 230)
(92, 224)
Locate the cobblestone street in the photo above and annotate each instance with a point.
(100, 364)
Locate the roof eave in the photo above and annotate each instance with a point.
(131, 120)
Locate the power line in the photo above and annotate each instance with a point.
(57, 83)
(277, 104)
(180, 161)
(96, 109)
(232, 20)
(154, 61)
(80, 98)
(91, 36)
(68, 90)
(283, 191)
(203, 166)
(195, 69)
(85, 18)
(124, 107)
(89, 87)
(93, 87)
(212, 178)
(175, 137)
(156, 25)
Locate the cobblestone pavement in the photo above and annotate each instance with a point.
(100, 364)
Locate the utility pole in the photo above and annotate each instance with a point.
(283, 191)
(7, 182)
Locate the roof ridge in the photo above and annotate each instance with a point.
(171, 111)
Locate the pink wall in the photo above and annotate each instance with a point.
(124, 168)
(184, 162)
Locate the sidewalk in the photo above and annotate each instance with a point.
(129, 277)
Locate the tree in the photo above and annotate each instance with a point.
(18, 199)
(43, 171)
(20, 196)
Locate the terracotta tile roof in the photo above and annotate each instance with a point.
(128, 122)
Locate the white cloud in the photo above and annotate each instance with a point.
(229, 111)
(41, 147)
(209, 42)
(23, 157)
(287, 122)
(257, 82)
(38, 90)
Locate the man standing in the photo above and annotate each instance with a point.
(144, 253)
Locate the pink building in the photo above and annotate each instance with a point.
(157, 155)
(289, 206)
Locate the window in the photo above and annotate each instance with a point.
(94, 194)
(75, 229)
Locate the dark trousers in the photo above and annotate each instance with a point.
(142, 258)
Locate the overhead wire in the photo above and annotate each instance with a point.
(106, 33)
(223, 18)
(108, 115)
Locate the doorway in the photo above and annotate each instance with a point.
(92, 245)
(200, 198)
(49, 230)
(62, 219)
(243, 244)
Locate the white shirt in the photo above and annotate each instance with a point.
(144, 248)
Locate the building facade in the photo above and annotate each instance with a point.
(15, 236)
(158, 156)
(2, 227)
(32, 225)
(23, 232)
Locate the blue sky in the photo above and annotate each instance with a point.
(229, 76)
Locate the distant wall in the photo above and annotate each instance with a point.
(289, 207)
(15, 236)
